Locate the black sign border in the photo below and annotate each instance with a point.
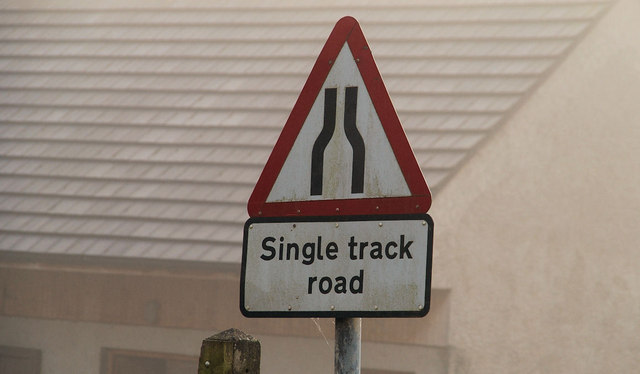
(339, 314)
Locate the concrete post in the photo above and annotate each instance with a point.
(348, 340)
(230, 352)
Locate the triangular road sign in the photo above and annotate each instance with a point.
(342, 151)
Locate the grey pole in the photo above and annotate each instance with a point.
(347, 358)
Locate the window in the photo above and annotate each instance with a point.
(117, 361)
(19, 360)
(376, 371)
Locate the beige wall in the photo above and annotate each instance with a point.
(74, 347)
(71, 310)
(538, 235)
(175, 296)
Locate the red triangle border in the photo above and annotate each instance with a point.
(346, 30)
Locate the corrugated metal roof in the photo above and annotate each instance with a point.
(139, 130)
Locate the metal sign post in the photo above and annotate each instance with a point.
(348, 342)
(339, 225)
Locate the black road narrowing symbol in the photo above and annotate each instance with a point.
(355, 139)
(317, 154)
(352, 133)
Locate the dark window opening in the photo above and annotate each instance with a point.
(16, 360)
(118, 361)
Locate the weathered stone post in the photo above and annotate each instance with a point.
(230, 352)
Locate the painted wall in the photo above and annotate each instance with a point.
(537, 236)
(70, 310)
(74, 347)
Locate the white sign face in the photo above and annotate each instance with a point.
(337, 155)
(351, 266)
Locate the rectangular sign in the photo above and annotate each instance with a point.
(350, 266)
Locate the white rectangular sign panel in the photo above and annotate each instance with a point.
(364, 266)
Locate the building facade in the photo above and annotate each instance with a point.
(132, 136)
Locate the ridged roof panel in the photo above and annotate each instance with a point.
(139, 130)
